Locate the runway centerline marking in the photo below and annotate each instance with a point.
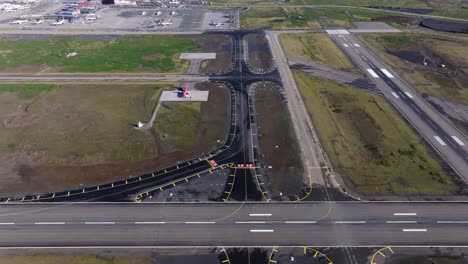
(394, 94)
(49, 223)
(452, 222)
(99, 223)
(409, 95)
(259, 214)
(350, 222)
(250, 222)
(387, 73)
(149, 223)
(300, 222)
(404, 214)
(415, 230)
(7, 223)
(194, 223)
(458, 141)
(261, 230)
(401, 222)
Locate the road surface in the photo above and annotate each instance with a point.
(235, 224)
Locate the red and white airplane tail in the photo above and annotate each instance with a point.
(185, 92)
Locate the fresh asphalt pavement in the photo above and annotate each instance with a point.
(235, 224)
(445, 139)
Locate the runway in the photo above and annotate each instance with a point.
(444, 138)
(251, 224)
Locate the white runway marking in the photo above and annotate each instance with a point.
(7, 223)
(404, 214)
(200, 222)
(261, 230)
(386, 72)
(409, 95)
(452, 222)
(350, 222)
(356, 45)
(250, 222)
(99, 223)
(400, 222)
(300, 222)
(458, 141)
(346, 45)
(149, 223)
(259, 214)
(373, 73)
(414, 230)
(440, 140)
(394, 94)
(49, 223)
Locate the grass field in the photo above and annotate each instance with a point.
(278, 144)
(72, 259)
(369, 145)
(71, 134)
(317, 48)
(450, 83)
(258, 17)
(156, 53)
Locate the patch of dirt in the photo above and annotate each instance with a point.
(222, 46)
(397, 19)
(277, 144)
(260, 58)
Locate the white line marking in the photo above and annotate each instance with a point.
(373, 73)
(350, 222)
(409, 95)
(300, 222)
(200, 222)
(386, 72)
(440, 140)
(149, 223)
(99, 223)
(259, 214)
(356, 45)
(404, 214)
(452, 222)
(261, 230)
(49, 223)
(400, 222)
(251, 222)
(414, 230)
(7, 223)
(394, 94)
(458, 141)
(346, 45)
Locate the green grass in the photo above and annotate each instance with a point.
(261, 17)
(369, 145)
(126, 54)
(72, 259)
(26, 90)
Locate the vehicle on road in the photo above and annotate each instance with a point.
(58, 22)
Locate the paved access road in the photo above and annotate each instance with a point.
(234, 224)
(449, 142)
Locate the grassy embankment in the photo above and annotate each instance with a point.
(278, 144)
(126, 54)
(317, 48)
(72, 259)
(450, 83)
(369, 145)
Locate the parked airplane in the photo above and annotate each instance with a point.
(18, 21)
(216, 23)
(185, 92)
(173, 13)
(158, 13)
(58, 22)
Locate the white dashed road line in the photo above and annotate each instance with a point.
(250, 222)
(49, 223)
(440, 140)
(387, 73)
(357, 45)
(400, 222)
(415, 230)
(7, 223)
(300, 222)
(149, 223)
(409, 95)
(373, 73)
(259, 214)
(200, 223)
(261, 230)
(350, 222)
(458, 141)
(396, 96)
(452, 222)
(99, 223)
(405, 214)
(346, 45)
